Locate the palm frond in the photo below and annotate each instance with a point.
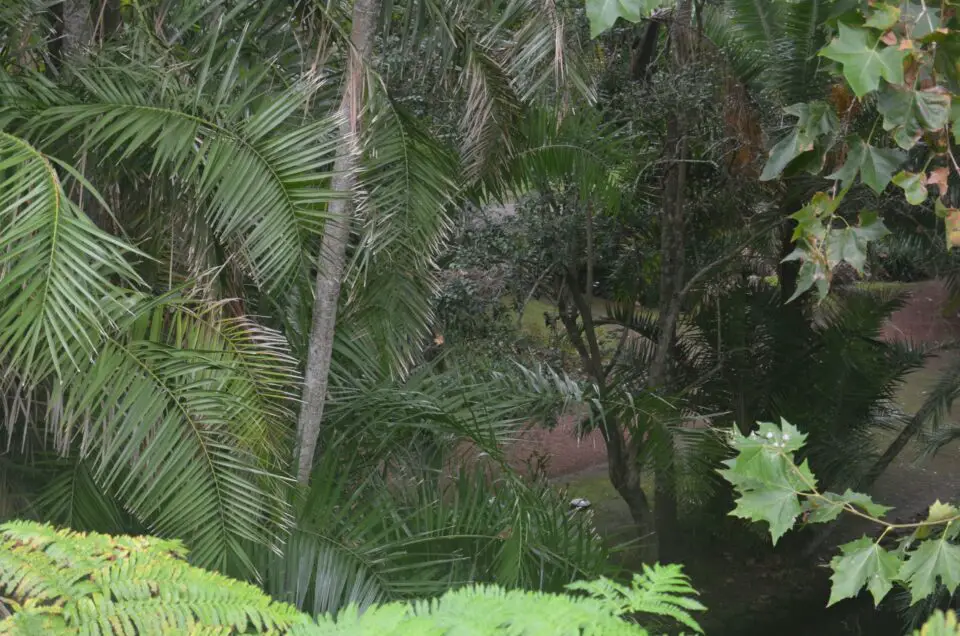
(172, 418)
(760, 21)
(373, 532)
(260, 174)
(406, 185)
(58, 287)
(503, 60)
(796, 71)
(73, 498)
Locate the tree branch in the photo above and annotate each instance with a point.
(726, 257)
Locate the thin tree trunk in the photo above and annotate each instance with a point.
(622, 454)
(673, 225)
(333, 248)
(77, 27)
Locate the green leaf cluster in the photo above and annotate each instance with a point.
(897, 62)
(603, 14)
(64, 582)
(775, 489)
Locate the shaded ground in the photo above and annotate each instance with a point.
(748, 596)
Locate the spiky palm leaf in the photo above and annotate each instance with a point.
(503, 59)
(389, 515)
(406, 186)
(260, 180)
(180, 422)
(58, 271)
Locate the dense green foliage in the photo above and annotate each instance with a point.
(478, 216)
(164, 189)
(63, 582)
(776, 489)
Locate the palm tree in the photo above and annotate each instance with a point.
(165, 192)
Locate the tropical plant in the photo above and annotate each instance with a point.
(63, 582)
(165, 187)
(774, 488)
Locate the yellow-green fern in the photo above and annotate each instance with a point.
(64, 582)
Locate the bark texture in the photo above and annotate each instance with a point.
(336, 235)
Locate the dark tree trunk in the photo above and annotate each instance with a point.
(673, 226)
(622, 450)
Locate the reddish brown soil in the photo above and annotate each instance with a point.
(560, 449)
(921, 320)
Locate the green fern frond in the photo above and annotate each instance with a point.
(661, 590)
(486, 610)
(70, 582)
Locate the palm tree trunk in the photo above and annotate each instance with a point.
(336, 235)
(77, 27)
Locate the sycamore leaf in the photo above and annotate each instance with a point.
(864, 61)
(875, 165)
(811, 273)
(945, 61)
(815, 120)
(938, 512)
(865, 503)
(764, 473)
(779, 507)
(883, 17)
(939, 177)
(823, 510)
(933, 558)
(922, 19)
(842, 245)
(913, 186)
(788, 149)
(862, 562)
(909, 113)
(850, 243)
(871, 227)
(829, 505)
(810, 217)
(941, 511)
(603, 14)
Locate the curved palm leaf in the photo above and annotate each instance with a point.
(58, 293)
(407, 183)
(172, 418)
(261, 175)
(503, 59)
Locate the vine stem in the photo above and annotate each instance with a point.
(815, 494)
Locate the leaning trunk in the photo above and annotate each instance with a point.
(333, 248)
(624, 473)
